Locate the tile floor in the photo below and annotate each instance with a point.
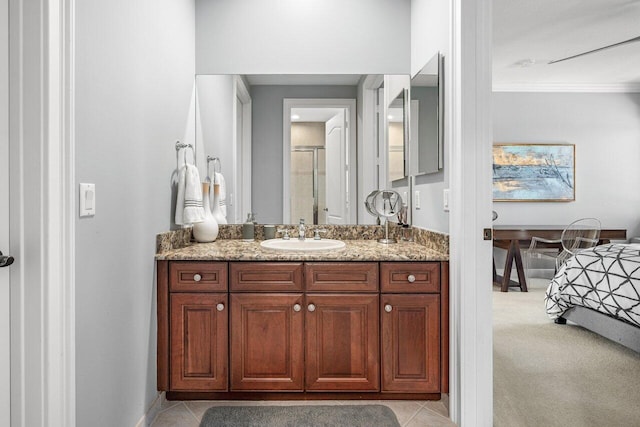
(410, 413)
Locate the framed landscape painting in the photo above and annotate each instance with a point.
(533, 172)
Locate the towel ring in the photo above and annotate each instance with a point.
(180, 145)
(216, 162)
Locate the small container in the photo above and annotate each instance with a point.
(269, 232)
(248, 230)
(407, 233)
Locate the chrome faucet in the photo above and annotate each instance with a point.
(301, 229)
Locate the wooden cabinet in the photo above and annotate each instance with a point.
(266, 342)
(410, 307)
(198, 341)
(318, 328)
(410, 343)
(342, 347)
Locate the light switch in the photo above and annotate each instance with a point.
(87, 200)
(416, 199)
(445, 199)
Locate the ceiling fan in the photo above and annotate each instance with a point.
(633, 40)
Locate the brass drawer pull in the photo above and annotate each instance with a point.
(197, 277)
(411, 278)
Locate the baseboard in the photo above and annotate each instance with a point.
(150, 416)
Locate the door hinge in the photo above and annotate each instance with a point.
(487, 234)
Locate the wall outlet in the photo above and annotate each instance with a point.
(416, 199)
(445, 199)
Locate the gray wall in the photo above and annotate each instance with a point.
(135, 63)
(427, 154)
(605, 127)
(293, 36)
(267, 155)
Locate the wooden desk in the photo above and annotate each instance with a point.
(510, 237)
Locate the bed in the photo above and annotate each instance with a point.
(599, 289)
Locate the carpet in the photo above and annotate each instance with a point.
(557, 375)
(300, 416)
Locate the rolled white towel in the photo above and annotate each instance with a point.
(219, 179)
(189, 208)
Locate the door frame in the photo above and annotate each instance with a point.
(468, 120)
(5, 288)
(288, 104)
(368, 137)
(42, 207)
(242, 152)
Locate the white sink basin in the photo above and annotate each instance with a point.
(307, 245)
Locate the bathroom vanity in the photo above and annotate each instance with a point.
(238, 322)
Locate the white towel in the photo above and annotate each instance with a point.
(219, 179)
(189, 202)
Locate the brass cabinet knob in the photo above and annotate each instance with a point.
(311, 307)
(220, 307)
(411, 278)
(388, 308)
(197, 277)
(297, 307)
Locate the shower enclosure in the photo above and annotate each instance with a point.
(308, 183)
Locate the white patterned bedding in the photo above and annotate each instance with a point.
(605, 278)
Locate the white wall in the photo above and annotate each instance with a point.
(605, 127)
(307, 37)
(429, 35)
(429, 31)
(135, 63)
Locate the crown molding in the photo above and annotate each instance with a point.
(567, 87)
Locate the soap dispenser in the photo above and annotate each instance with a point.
(248, 229)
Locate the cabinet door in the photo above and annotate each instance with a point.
(342, 342)
(410, 343)
(266, 342)
(199, 340)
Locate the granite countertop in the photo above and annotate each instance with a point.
(355, 250)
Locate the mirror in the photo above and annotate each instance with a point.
(426, 117)
(397, 155)
(244, 121)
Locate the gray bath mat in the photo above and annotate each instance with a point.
(300, 416)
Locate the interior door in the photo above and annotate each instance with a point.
(5, 351)
(337, 202)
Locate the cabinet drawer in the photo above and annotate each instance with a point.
(189, 276)
(410, 277)
(265, 276)
(341, 276)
